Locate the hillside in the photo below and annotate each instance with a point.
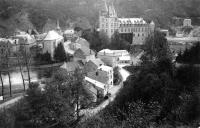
(24, 14)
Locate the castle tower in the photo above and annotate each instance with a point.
(152, 26)
(108, 22)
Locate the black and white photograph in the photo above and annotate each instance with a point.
(99, 63)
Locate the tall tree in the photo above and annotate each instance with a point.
(156, 47)
(59, 53)
(117, 43)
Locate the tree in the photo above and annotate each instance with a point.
(72, 88)
(156, 47)
(44, 109)
(59, 53)
(117, 43)
(21, 72)
(117, 76)
(190, 56)
(98, 40)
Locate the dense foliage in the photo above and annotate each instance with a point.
(117, 43)
(60, 54)
(98, 40)
(190, 56)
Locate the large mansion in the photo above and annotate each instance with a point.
(135, 28)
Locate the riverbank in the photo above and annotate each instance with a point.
(34, 67)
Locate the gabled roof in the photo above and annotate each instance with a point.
(105, 68)
(96, 83)
(98, 62)
(52, 35)
(113, 52)
(82, 42)
(86, 51)
(70, 66)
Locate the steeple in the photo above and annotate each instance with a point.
(108, 8)
(57, 25)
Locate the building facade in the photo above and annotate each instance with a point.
(111, 57)
(135, 28)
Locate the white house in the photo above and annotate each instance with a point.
(111, 57)
(51, 41)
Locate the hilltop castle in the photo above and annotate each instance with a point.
(134, 30)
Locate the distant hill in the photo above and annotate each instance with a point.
(161, 11)
(24, 14)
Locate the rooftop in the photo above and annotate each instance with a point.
(52, 35)
(70, 66)
(113, 52)
(87, 51)
(105, 68)
(132, 21)
(97, 62)
(125, 58)
(96, 83)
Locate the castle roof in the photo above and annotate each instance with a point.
(132, 21)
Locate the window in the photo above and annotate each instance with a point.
(97, 73)
(138, 34)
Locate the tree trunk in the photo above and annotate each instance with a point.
(7, 64)
(77, 102)
(27, 67)
(2, 85)
(10, 84)
(20, 66)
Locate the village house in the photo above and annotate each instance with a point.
(97, 88)
(101, 79)
(51, 41)
(187, 23)
(25, 41)
(93, 65)
(111, 57)
(84, 54)
(70, 67)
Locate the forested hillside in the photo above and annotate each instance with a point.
(24, 14)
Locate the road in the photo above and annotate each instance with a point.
(11, 102)
(113, 91)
